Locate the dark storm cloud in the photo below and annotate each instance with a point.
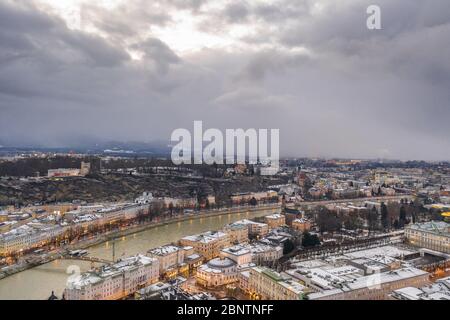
(34, 35)
(405, 64)
(310, 68)
(22, 17)
(271, 61)
(237, 12)
(58, 84)
(158, 52)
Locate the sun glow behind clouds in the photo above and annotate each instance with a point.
(70, 10)
(183, 34)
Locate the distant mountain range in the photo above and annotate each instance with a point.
(156, 148)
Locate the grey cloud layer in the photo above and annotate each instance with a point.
(333, 87)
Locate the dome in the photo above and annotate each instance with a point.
(221, 263)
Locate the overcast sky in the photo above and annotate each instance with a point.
(77, 71)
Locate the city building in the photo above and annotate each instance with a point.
(28, 236)
(370, 274)
(237, 232)
(269, 171)
(440, 290)
(257, 229)
(41, 229)
(277, 237)
(85, 168)
(244, 281)
(292, 214)
(433, 235)
(171, 291)
(239, 254)
(63, 172)
(174, 261)
(258, 196)
(267, 284)
(211, 200)
(169, 257)
(217, 272)
(275, 220)
(114, 281)
(145, 198)
(263, 253)
(208, 244)
(316, 193)
(255, 253)
(301, 225)
(179, 202)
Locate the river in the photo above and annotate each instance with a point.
(38, 283)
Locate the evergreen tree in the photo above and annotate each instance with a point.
(384, 216)
(310, 240)
(402, 218)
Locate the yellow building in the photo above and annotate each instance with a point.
(207, 244)
(238, 233)
(301, 225)
(446, 216)
(275, 220)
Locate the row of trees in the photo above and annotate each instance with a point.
(29, 167)
(390, 216)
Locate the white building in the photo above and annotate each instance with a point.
(440, 290)
(370, 274)
(244, 281)
(146, 198)
(238, 233)
(115, 281)
(239, 254)
(207, 244)
(267, 284)
(28, 236)
(40, 232)
(217, 272)
(63, 172)
(374, 287)
(433, 235)
(168, 257)
(269, 171)
(262, 253)
(254, 228)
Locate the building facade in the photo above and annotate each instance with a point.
(275, 220)
(301, 225)
(114, 281)
(239, 254)
(238, 233)
(433, 235)
(267, 284)
(168, 257)
(208, 244)
(217, 272)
